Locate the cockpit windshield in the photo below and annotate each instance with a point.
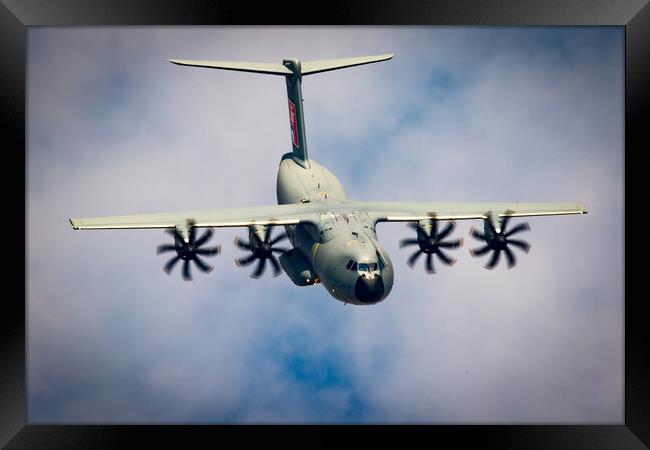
(367, 267)
(362, 267)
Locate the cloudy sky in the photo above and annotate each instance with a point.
(459, 114)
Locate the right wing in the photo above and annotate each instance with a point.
(414, 211)
(224, 217)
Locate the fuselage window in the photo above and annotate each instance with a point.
(373, 266)
(354, 266)
(363, 267)
(349, 264)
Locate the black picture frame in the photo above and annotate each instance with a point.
(17, 15)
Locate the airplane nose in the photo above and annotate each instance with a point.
(369, 290)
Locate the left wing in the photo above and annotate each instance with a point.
(407, 212)
(224, 217)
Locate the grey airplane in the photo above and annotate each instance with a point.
(333, 238)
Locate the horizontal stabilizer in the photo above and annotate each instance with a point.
(269, 68)
(309, 67)
(306, 67)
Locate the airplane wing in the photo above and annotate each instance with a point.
(310, 213)
(225, 217)
(408, 212)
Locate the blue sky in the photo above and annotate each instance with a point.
(459, 114)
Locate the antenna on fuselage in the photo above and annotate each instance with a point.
(292, 70)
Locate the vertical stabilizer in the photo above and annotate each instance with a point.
(296, 113)
(293, 71)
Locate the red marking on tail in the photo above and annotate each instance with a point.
(292, 121)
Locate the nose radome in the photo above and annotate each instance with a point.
(369, 290)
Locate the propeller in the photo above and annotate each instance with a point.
(188, 251)
(498, 242)
(431, 242)
(262, 251)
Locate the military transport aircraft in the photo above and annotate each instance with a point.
(333, 237)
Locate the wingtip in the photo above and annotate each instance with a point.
(74, 223)
(382, 57)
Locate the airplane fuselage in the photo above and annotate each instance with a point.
(342, 249)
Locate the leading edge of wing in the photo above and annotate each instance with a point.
(405, 212)
(227, 217)
(84, 224)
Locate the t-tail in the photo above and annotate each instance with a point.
(292, 70)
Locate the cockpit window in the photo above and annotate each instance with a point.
(362, 267)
